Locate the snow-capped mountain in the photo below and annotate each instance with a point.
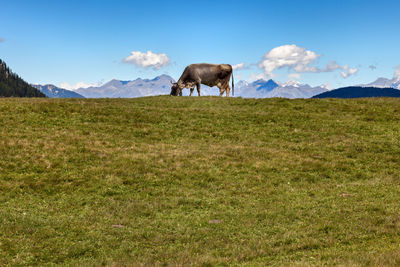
(297, 91)
(55, 92)
(293, 83)
(385, 83)
(265, 89)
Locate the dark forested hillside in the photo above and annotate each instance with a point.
(11, 85)
(359, 92)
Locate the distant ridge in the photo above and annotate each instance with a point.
(266, 89)
(11, 85)
(160, 85)
(359, 92)
(385, 83)
(53, 91)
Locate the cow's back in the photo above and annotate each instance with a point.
(210, 67)
(211, 74)
(225, 71)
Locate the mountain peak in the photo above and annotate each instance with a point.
(263, 85)
(139, 87)
(384, 83)
(114, 82)
(53, 91)
(162, 77)
(293, 83)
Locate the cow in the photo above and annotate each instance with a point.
(208, 74)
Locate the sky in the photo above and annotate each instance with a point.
(79, 43)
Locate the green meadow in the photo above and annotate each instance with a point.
(199, 181)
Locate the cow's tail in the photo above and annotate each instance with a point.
(233, 86)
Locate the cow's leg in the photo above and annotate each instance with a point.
(191, 91)
(180, 92)
(227, 89)
(221, 91)
(198, 87)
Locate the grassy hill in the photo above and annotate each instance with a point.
(199, 181)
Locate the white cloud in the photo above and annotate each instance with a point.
(78, 85)
(331, 66)
(148, 60)
(294, 76)
(299, 60)
(347, 71)
(239, 66)
(291, 56)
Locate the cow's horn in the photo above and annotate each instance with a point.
(171, 82)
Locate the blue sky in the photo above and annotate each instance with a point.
(89, 42)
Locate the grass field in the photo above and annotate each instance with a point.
(199, 181)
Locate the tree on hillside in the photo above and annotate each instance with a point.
(11, 85)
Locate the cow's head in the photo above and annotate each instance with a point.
(176, 88)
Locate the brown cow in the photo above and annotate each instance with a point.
(208, 74)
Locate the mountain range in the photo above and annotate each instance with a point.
(265, 89)
(53, 91)
(385, 83)
(12, 85)
(161, 85)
